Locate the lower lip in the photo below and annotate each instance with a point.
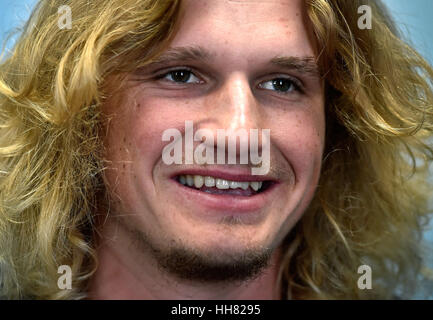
(226, 204)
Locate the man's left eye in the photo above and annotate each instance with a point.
(181, 76)
(283, 85)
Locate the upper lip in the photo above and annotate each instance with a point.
(234, 174)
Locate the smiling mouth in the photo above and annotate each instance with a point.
(220, 186)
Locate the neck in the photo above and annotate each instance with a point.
(125, 272)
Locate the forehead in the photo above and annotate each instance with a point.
(250, 28)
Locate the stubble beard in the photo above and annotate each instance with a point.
(187, 263)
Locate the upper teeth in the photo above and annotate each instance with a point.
(198, 181)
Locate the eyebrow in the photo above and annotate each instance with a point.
(182, 54)
(306, 65)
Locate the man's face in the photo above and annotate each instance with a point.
(235, 85)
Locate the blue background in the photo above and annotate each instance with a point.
(413, 17)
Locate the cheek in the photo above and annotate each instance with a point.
(118, 154)
(300, 137)
(134, 136)
(147, 131)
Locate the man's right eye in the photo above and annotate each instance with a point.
(180, 76)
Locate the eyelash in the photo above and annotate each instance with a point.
(163, 75)
(297, 85)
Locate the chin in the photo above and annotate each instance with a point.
(213, 263)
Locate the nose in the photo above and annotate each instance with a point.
(234, 109)
(234, 105)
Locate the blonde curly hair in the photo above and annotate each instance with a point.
(372, 197)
